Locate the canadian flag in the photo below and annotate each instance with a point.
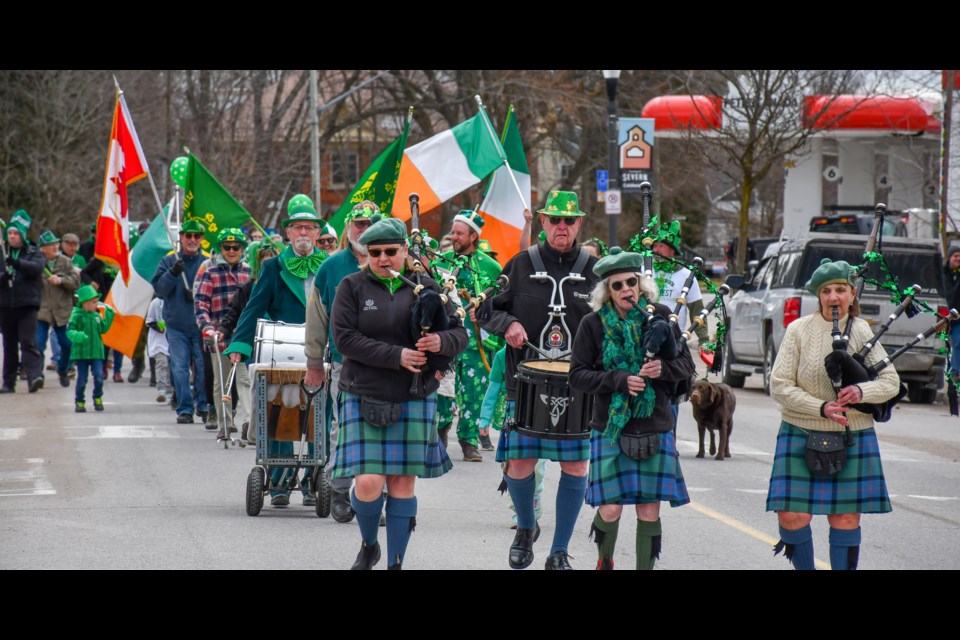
(125, 165)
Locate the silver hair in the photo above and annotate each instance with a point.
(600, 295)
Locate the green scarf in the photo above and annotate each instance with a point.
(666, 266)
(302, 267)
(623, 351)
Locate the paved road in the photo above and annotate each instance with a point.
(129, 488)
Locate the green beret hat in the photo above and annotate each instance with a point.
(300, 208)
(563, 204)
(830, 272)
(48, 237)
(192, 226)
(86, 293)
(470, 218)
(384, 231)
(231, 234)
(619, 261)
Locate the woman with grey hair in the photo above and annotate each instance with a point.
(633, 452)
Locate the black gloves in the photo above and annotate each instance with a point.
(177, 268)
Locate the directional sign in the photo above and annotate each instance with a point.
(613, 202)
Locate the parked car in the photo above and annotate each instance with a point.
(756, 247)
(858, 223)
(761, 310)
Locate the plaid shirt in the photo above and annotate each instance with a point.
(217, 286)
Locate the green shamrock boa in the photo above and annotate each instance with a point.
(623, 351)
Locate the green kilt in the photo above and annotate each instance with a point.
(859, 488)
(408, 447)
(615, 478)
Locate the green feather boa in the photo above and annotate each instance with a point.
(623, 351)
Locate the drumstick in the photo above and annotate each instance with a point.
(542, 353)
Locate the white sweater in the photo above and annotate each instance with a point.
(800, 384)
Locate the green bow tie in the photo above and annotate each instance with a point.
(304, 266)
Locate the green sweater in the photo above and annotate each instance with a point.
(84, 332)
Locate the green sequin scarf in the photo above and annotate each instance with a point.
(623, 351)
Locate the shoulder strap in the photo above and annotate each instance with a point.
(534, 252)
(581, 262)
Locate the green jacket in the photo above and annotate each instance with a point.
(84, 332)
(278, 295)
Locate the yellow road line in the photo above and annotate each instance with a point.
(745, 528)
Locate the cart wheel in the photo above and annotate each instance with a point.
(323, 494)
(226, 444)
(255, 491)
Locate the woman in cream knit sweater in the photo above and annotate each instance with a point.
(809, 402)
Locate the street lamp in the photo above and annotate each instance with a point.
(612, 76)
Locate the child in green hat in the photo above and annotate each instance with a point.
(85, 330)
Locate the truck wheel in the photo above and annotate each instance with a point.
(917, 394)
(730, 378)
(769, 356)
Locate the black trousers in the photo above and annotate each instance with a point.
(19, 327)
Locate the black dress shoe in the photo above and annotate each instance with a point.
(340, 507)
(521, 553)
(7, 389)
(368, 557)
(558, 561)
(35, 384)
(395, 567)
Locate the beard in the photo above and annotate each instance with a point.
(357, 247)
(303, 246)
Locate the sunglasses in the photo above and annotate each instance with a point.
(391, 252)
(193, 236)
(361, 223)
(630, 282)
(557, 221)
(230, 247)
(327, 241)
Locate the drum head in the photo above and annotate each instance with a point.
(551, 366)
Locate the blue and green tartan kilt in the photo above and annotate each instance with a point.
(616, 478)
(408, 447)
(859, 488)
(519, 446)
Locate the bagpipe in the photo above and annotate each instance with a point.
(844, 368)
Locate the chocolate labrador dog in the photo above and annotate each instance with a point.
(713, 406)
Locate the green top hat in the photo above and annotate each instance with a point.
(563, 204)
(192, 226)
(48, 237)
(384, 231)
(300, 208)
(231, 234)
(618, 261)
(470, 218)
(670, 235)
(86, 293)
(830, 272)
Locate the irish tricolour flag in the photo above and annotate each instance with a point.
(442, 166)
(131, 299)
(502, 207)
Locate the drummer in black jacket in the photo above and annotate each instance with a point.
(520, 314)
(633, 457)
(388, 389)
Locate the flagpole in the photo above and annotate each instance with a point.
(153, 186)
(506, 163)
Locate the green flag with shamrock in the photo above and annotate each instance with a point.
(208, 202)
(378, 183)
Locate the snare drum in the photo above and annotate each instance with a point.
(280, 344)
(546, 405)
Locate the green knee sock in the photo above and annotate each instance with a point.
(605, 535)
(648, 544)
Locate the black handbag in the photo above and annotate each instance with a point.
(639, 446)
(380, 413)
(826, 453)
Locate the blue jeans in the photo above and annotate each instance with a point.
(184, 348)
(117, 361)
(955, 347)
(83, 366)
(63, 361)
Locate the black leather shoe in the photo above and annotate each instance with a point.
(340, 507)
(558, 561)
(185, 418)
(35, 384)
(521, 553)
(395, 567)
(368, 557)
(6, 389)
(136, 371)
